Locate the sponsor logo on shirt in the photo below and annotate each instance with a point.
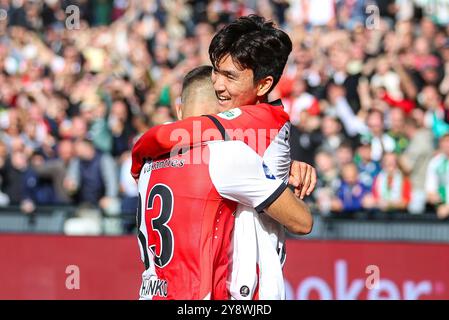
(230, 114)
(168, 163)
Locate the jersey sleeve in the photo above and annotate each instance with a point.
(164, 139)
(239, 174)
(256, 125)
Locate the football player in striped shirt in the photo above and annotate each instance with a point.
(248, 58)
(185, 226)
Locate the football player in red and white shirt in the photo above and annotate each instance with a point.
(238, 84)
(185, 229)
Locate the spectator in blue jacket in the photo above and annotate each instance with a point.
(351, 193)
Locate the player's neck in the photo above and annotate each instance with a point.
(263, 99)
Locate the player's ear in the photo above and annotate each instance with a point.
(178, 108)
(264, 85)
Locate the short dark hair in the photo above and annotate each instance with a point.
(412, 122)
(374, 111)
(346, 144)
(254, 43)
(200, 73)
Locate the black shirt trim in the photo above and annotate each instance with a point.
(271, 198)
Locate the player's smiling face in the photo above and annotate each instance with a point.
(233, 85)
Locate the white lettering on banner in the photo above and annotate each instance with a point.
(412, 291)
(346, 290)
(343, 292)
(314, 283)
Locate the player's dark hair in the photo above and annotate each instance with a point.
(254, 43)
(200, 73)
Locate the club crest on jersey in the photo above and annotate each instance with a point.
(244, 291)
(268, 173)
(230, 114)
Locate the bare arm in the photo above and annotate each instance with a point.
(252, 184)
(291, 212)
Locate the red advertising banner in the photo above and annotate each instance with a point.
(58, 267)
(344, 270)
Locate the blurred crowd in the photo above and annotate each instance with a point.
(366, 87)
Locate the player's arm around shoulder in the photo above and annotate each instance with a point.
(167, 138)
(239, 174)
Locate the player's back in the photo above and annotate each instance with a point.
(185, 228)
(264, 128)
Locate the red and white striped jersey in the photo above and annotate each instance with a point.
(258, 239)
(185, 217)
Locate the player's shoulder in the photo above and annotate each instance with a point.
(228, 153)
(223, 147)
(269, 110)
(262, 115)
